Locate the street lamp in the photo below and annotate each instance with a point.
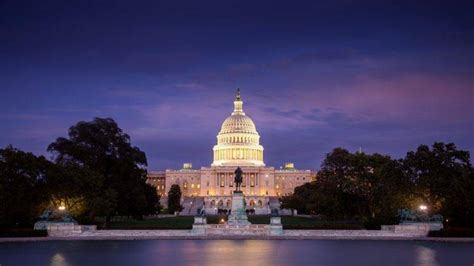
(62, 208)
(423, 207)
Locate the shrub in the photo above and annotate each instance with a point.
(22, 232)
(453, 232)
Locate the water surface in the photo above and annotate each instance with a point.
(236, 252)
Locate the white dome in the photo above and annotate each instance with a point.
(238, 123)
(238, 140)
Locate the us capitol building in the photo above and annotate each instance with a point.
(238, 144)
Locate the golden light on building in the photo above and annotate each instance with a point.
(238, 142)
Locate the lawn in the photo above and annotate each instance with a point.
(297, 222)
(185, 222)
(180, 222)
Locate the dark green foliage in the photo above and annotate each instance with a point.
(443, 179)
(22, 187)
(179, 222)
(374, 187)
(152, 200)
(301, 199)
(216, 219)
(96, 171)
(113, 177)
(174, 199)
(353, 186)
(22, 232)
(453, 232)
(186, 222)
(74, 186)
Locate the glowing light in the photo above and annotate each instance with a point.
(62, 208)
(423, 207)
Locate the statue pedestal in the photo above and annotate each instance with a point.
(237, 215)
(199, 226)
(275, 228)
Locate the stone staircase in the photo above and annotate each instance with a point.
(274, 203)
(187, 204)
(191, 206)
(198, 202)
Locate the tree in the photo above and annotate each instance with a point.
(174, 199)
(152, 199)
(115, 167)
(369, 187)
(22, 187)
(73, 186)
(300, 199)
(443, 179)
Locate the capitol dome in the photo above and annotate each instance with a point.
(238, 142)
(238, 123)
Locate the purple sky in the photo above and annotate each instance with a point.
(382, 76)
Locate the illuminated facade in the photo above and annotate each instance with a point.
(238, 144)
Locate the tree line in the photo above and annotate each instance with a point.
(373, 187)
(94, 171)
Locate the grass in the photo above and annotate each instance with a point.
(180, 222)
(296, 222)
(185, 222)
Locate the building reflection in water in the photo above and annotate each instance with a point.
(239, 252)
(58, 259)
(425, 256)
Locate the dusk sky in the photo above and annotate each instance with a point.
(385, 76)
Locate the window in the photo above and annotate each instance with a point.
(192, 185)
(252, 181)
(185, 185)
(198, 185)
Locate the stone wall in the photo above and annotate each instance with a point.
(416, 228)
(253, 232)
(68, 229)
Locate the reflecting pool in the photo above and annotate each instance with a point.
(236, 252)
